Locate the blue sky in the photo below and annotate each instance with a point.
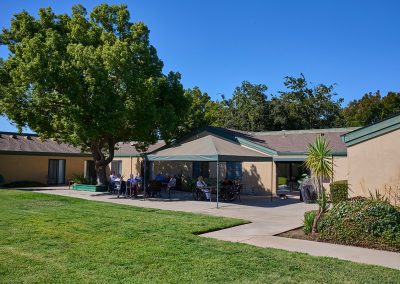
(218, 44)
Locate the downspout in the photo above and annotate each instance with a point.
(217, 182)
(272, 176)
(144, 176)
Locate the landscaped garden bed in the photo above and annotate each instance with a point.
(359, 222)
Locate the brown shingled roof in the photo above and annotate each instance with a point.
(14, 142)
(127, 148)
(30, 143)
(294, 141)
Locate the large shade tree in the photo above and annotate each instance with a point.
(371, 108)
(88, 80)
(246, 110)
(305, 106)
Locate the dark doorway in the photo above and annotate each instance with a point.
(288, 173)
(90, 172)
(56, 172)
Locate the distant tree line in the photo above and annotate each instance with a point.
(301, 106)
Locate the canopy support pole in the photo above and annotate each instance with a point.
(144, 177)
(217, 183)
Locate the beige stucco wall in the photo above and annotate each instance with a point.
(375, 164)
(35, 168)
(340, 169)
(130, 165)
(259, 177)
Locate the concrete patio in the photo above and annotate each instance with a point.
(267, 218)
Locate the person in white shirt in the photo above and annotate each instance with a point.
(171, 183)
(111, 181)
(203, 186)
(112, 177)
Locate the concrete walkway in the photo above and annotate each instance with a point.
(267, 218)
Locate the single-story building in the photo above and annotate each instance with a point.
(269, 156)
(373, 154)
(368, 157)
(25, 157)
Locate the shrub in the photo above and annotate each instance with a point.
(188, 183)
(78, 179)
(1, 180)
(362, 222)
(309, 217)
(339, 191)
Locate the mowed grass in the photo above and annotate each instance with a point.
(48, 239)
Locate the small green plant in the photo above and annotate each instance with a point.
(78, 179)
(339, 191)
(378, 196)
(309, 217)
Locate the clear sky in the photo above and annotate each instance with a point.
(218, 44)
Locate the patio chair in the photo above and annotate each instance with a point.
(155, 188)
(117, 187)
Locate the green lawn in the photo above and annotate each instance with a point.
(45, 238)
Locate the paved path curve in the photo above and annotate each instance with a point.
(268, 218)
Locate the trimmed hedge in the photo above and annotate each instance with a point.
(339, 191)
(362, 222)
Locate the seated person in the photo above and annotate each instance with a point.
(159, 177)
(132, 185)
(203, 186)
(111, 181)
(171, 183)
(138, 178)
(227, 182)
(120, 179)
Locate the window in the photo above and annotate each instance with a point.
(56, 173)
(116, 166)
(200, 169)
(234, 170)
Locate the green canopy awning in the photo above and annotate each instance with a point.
(208, 148)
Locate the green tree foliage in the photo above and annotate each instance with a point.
(390, 104)
(365, 111)
(305, 107)
(88, 80)
(371, 108)
(196, 117)
(246, 110)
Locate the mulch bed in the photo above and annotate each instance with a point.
(298, 233)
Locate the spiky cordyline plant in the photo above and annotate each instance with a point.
(319, 162)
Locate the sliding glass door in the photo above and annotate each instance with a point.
(56, 173)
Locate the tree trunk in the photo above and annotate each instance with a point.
(315, 222)
(101, 172)
(321, 208)
(100, 161)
